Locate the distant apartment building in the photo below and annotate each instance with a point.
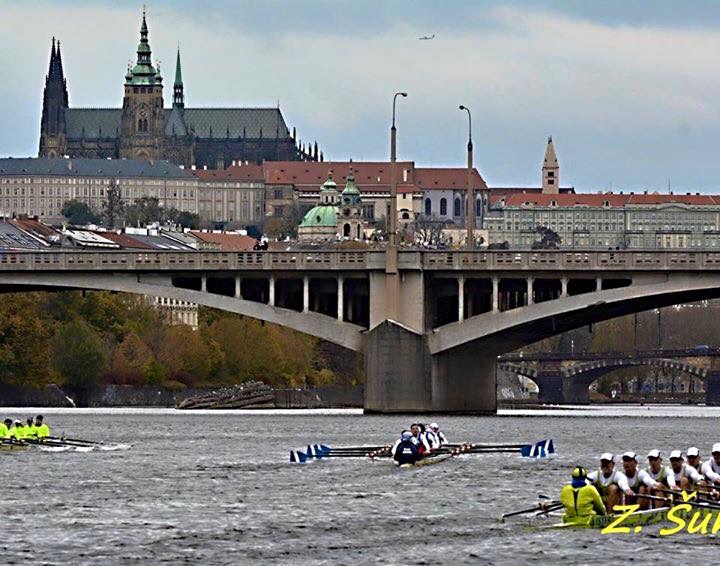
(617, 221)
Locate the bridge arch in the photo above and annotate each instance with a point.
(321, 326)
(501, 332)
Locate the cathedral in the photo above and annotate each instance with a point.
(144, 128)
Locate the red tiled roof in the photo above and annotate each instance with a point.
(125, 241)
(598, 200)
(247, 173)
(524, 190)
(428, 178)
(227, 242)
(34, 226)
(366, 173)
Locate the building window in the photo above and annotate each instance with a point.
(456, 208)
(278, 193)
(428, 207)
(443, 207)
(478, 207)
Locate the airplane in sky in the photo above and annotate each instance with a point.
(426, 37)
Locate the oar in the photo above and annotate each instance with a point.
(538, 507)
(64, 439)
(707, 503)
(549, 509)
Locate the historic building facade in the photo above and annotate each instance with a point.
(144, 129)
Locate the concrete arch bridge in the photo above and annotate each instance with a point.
(430, 324)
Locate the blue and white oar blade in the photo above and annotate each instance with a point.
(325, 449)
(538, 450)
(298, 457)
(318, 451)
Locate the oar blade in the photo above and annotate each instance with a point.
(540, 449)
(298, 457)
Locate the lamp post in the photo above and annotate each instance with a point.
(392, 219)
(470, 212)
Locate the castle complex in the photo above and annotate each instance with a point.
(144, 128)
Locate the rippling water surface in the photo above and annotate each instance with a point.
(218, 488)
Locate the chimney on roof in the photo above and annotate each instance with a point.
(405, 175)
(645, 192)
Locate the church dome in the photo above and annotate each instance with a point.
(324, 216)
(350, 186)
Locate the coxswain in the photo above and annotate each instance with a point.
(639, 481)
(711, 468)
(610, 483)
(686, 477)
(406, 450)
(41, 429)
(417, 430)
(5, 429)
(437, 432)
(581, 500)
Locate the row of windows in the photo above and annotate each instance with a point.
(457, 207)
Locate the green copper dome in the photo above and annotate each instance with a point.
(321, 216)
(350, 186)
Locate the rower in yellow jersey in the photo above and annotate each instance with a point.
(17, 432)
(5, 429)
(30, 430)
(581, 500)
(41, 429)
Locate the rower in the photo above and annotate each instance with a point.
(30, 430)
(580, 499)
(432, 438)
(41, 429)
(686, 477)
(406, 450)
(440, 435)
(417, 430)
(659, 473)
(5, 429)
(610, 483)
(638, 480)
(711, 468)
(693, 457)
(17, 432)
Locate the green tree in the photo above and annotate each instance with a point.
(113, 206)
(80, 356)
(549, 239)
(78, 213)
(25, 352)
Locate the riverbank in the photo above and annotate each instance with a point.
(128, 396)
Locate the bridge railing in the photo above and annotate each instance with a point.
(181, 261)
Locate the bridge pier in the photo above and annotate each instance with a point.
(576, 391)
(461, 380)
(712, 389)
(550, 383)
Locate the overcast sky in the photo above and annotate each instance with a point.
(630, 91)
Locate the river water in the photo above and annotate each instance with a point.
(218, 489)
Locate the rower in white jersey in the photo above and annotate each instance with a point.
(419, 434)
(693, 457)
(686, 477)
(639, 481)
(432, 438)
(437, 432)
(611, 483)
(661, 474)
(711, 468)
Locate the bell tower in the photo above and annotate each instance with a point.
(350, 211)
(143, 115)
(550, 171)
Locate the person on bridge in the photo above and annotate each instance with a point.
(405, 450)
(638, 480)
(581, 500)
(5, 429)
(41, 429)
(610, 483)
(686, 477)
(711, 468)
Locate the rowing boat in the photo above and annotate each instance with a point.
(427, 461)
(636, 519)
(11, 446)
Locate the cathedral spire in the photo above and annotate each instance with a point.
(178, 92)
(55, 102)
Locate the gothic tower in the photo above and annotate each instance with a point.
(53, 140)
(178, 92)
(550, 171)
(143, 117)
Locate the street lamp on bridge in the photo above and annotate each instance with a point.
(470, 206)
(392, 213)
